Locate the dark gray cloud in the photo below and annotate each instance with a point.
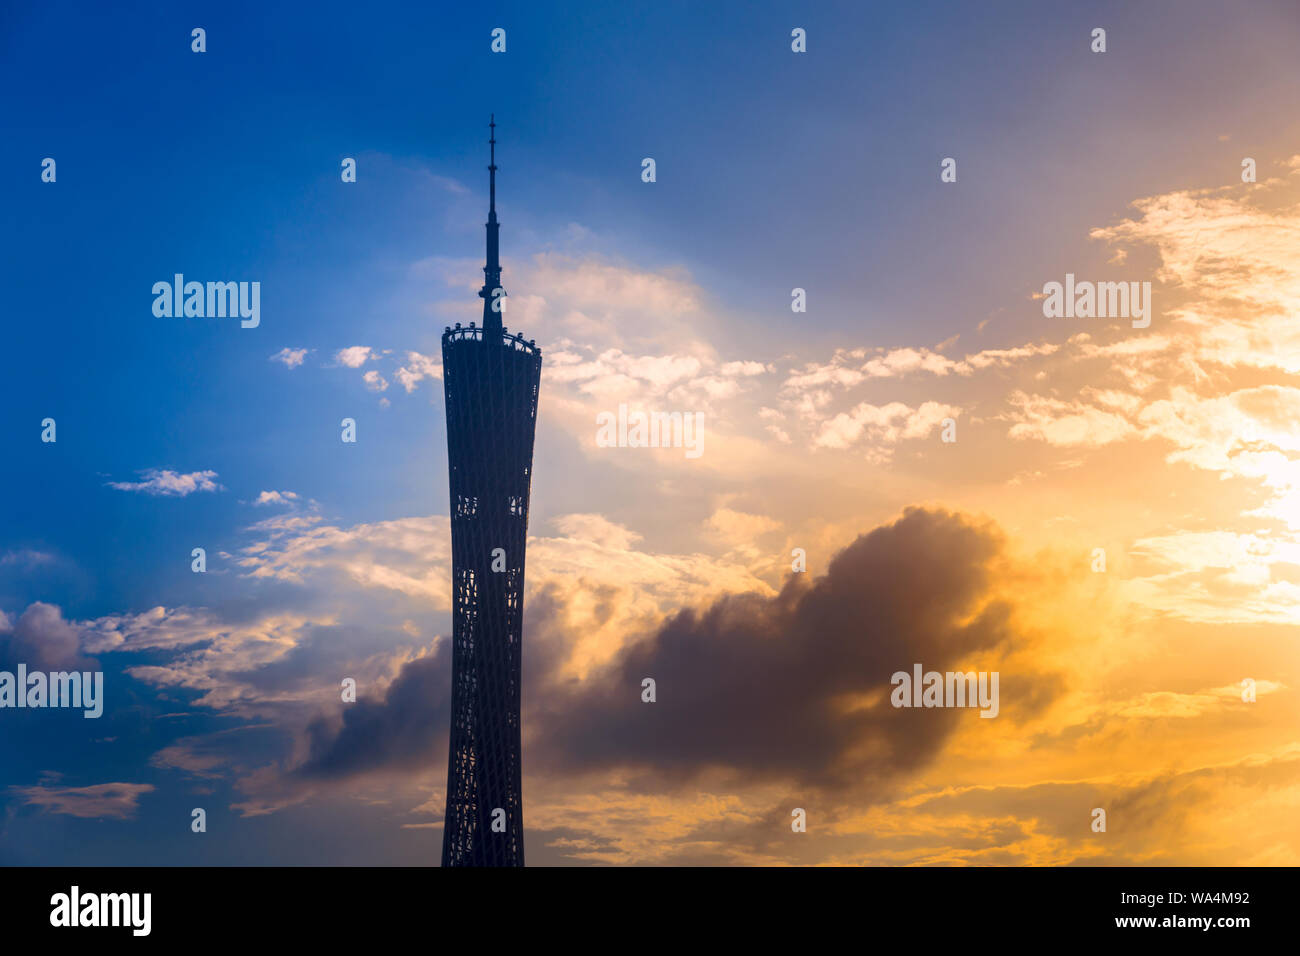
(407, 729)
(775, 688)
(42, 640)
(759, 688)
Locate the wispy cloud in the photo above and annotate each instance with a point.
(276, 497)
(166, 482)
(26, 557)
(103, 801)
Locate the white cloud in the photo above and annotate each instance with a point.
(882, 424)
(276, 497)
(739, 529)
(291, 358)
(1067, 424)
(597, 529)
(850, 367)
(170, 483)
(354, 356)
(417, 368)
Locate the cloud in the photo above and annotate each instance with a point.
(407, 729)
(597, 529)
(593, 283)
(444, 183)
(300, 514)
(1198, 815)
(354, 356)
(739, 529)
(170, 483)
(291, 358)
(1166, 704)
(851, 367)
(406, 555)
(585, 296)
(27, 558)
(206, 756)
(795, 686)
(614, 373)
(882, 424)
(276, 498)
(1066, 424)
(348, 599)
(790, 686)
(103, 801)
(1220, 576)
(218, 659)
(42, 640)
(417, 368)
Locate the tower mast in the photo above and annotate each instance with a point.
(492, 299)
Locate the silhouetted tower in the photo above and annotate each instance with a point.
(490, 381)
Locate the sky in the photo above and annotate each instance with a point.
(1171, 448)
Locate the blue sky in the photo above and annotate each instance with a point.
(225, 165)
(774, 171)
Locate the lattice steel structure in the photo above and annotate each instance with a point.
(490, 382)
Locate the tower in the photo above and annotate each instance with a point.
(490, 384)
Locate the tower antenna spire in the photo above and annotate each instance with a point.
(492, 292)
(492, 167)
